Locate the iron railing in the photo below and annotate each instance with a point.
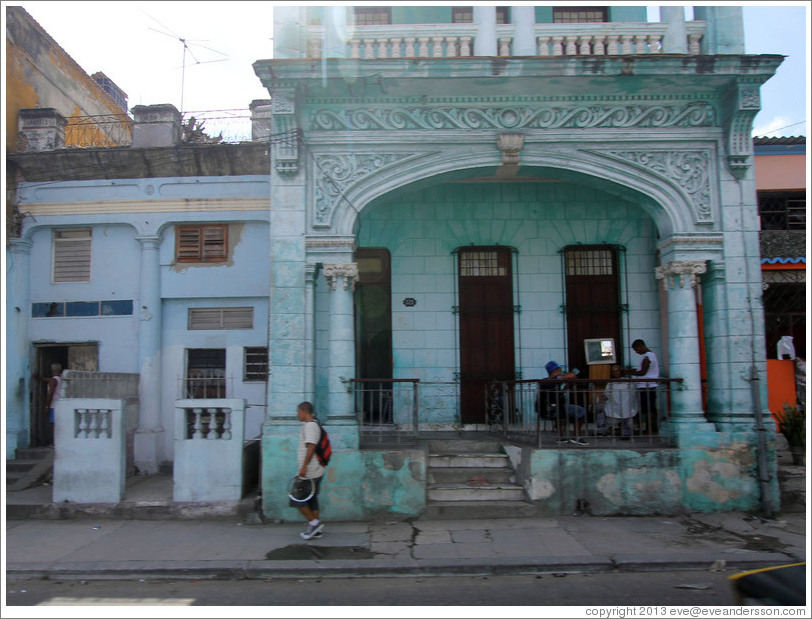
(581, 412)
(387, 409)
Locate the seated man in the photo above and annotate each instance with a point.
(552, 402)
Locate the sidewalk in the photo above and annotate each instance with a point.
(230, 548)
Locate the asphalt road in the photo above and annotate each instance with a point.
(627, 590)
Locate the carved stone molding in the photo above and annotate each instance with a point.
(511, 145)
(285, 133)
(688, 169)
(336, 173)
(536, 116)
(347, 270)
(688, 272)
(744, 102)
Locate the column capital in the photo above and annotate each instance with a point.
(347, 270)
(149, 241)
(687, 270)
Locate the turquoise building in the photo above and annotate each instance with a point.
(453, 198)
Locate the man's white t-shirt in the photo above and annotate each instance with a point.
(309, 432)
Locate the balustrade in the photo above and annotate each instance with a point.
(456, 40)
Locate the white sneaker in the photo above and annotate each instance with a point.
(312, 531)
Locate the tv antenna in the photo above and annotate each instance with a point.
(186, 50)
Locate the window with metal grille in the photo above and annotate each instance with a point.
(476, 263)
(589, 262)
(220, 318)
(372, 15)
(785, 314)
(205, 373)
(205, 243)
(579, 14)
(255, 364)
(71, 255)
(465, 15)
(782, 210)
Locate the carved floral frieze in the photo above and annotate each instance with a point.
(336, 173)
(541, 116)
(688, 169)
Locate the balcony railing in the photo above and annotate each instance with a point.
(457, 40)
(603, 413)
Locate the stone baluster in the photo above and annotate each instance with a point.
(81, 414)
(383, 44)
(396, 41)
(654, 44)
(572, 45)
(504, 46)
(451, 47)
(423, 49)
(408, 52)
(640, 44)
(465, 46)
(694, 43)
(544, 46)
(437, 47)
(198, 423)
(369, 48)
(626, 44)
(226, 424)
(355, 48)
(314, 45)
(212, 435)
(599, 45)
(104, 423)
(611, 44)
(558, 48)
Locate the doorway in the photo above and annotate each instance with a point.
(84, 356)
(485, 279)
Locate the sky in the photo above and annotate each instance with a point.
(138, 45)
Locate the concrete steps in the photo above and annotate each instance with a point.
(31, 465)
(472, 479)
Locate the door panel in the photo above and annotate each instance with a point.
(486, 325)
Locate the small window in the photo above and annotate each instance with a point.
(590, 262)
(205, 373)
(579, 14)
(782, 210)
(462, 15)
(372, 15)
(71, 255)
(220, 318)
(255, 366)
(201, 243)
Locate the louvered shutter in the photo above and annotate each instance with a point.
(71, 255)
(220, 318)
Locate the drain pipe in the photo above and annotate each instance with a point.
(761, 451)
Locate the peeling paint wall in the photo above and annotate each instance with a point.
(39, 73)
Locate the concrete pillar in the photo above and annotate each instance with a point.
(675, 40)
(680, 278)
(18, 370)
(156, 125)
(724, 31)
(260, 119)
(148, 436)
(485, 41)
(524, 21)
(335, 31)
(40, 129)
(341, 279)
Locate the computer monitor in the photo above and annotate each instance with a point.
(600, 350)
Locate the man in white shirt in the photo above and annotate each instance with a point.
(649, 367)
(309, 467)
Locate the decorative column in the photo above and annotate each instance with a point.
(485, 41)
(524, 20)
(680, 278)
(311, 273)
(341, 280)
(150, 431)
(675, 40)
(18, 372)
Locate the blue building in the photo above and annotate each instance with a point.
(451, 198)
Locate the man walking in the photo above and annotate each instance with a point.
(310, 468)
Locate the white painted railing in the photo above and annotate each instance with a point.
(457, 40)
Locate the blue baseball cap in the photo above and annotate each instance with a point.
(551, 367)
